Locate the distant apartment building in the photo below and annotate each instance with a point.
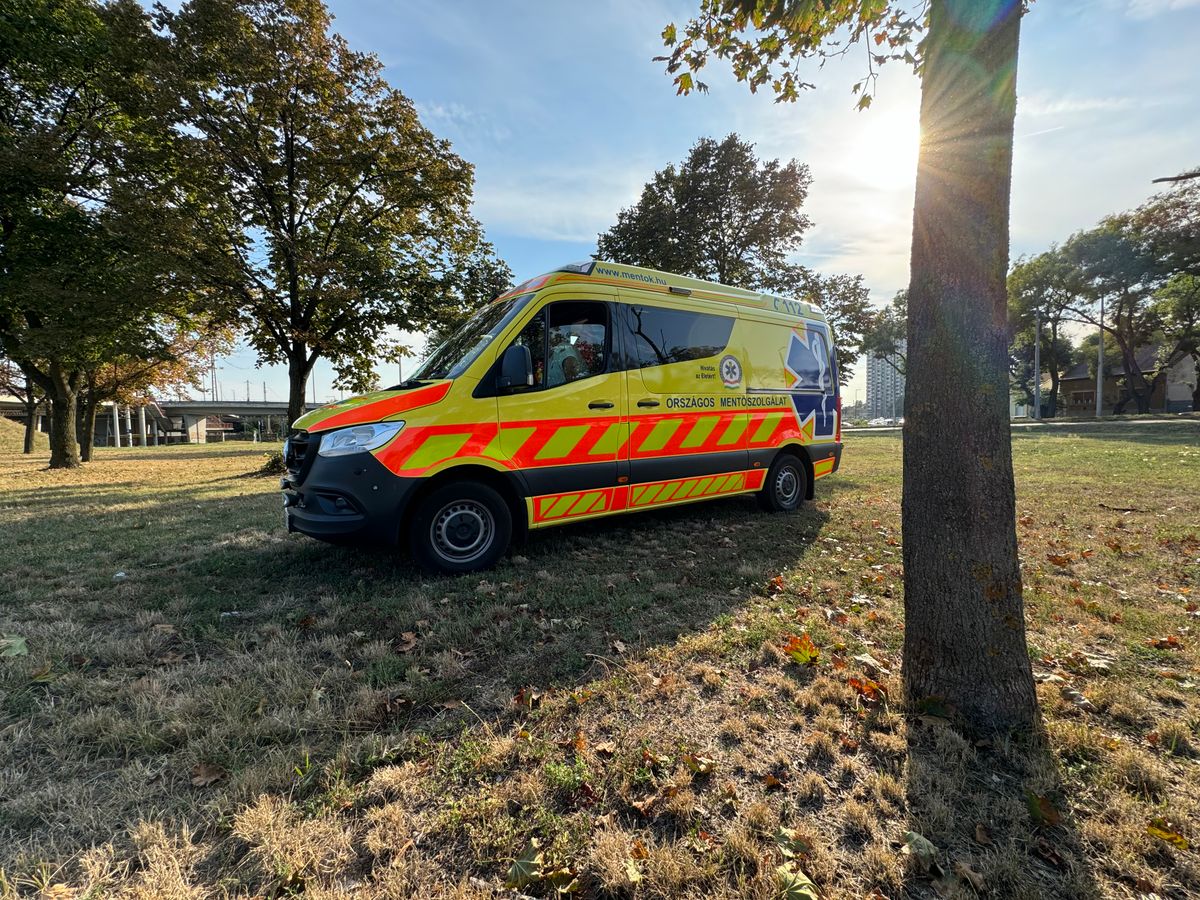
(885, 387)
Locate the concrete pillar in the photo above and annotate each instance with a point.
(154, 431)
(116, 425)
(141, 426)
(128, 428)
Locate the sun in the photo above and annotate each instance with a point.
(881, 146)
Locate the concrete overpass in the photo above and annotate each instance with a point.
(178, 420)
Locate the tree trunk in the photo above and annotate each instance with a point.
(87, 429)
(64, 447)
(298, 369)
(964, 634)
(30, 423)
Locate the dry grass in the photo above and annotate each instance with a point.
(662, 739)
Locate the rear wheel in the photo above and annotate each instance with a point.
(785, 485)
(460, 527)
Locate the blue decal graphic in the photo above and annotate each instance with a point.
(813, 378)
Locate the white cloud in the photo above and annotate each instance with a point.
(1145, 9)
(1044, 104)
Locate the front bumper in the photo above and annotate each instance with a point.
(345, 499)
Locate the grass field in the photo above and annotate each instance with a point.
(210, 707)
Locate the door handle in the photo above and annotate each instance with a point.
(647, 403)
(600, 404)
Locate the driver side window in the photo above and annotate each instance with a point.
(568, 341)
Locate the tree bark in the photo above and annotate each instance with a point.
(30, 425)
(87, 428)
(298, 369)
(64, 447)
(964, 635)
(1196, 389)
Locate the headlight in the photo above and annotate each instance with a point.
(358, 439)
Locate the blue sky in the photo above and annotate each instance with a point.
(565, 116)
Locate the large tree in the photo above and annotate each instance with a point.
(81, 159)
(724, 215)
(342, 216)
(964, 635)
(1040, 288)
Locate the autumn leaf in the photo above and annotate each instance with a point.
(654, 760)
(802, 650)
(982, 835)
(1170, 642)
(701, 765)
(775, 585)
(1080, 701)
(207, 774)
(529, 697)
(791, 844)
(794, 884)
(13, 645)
(920, 849)
(563, 881)
(1165, 831)
(527, 868)
(407, 642)
(606, 748)
(773, 781)
(871, 692)
(1060, 560)
(639, 850)
(966, 873)
(1042, 810)
(618, 646)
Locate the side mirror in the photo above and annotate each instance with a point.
(516, 368)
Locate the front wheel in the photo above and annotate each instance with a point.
(461, 527)
(785, 485)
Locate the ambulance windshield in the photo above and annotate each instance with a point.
(462, 348)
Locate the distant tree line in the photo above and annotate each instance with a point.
(171, 180)
(1143, 268)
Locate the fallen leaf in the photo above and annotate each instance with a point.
(1046, 851)
(13, 645)
(982, 835)
(773, 781)
(920, 849)
(1078, 699)
(1166, 831)
(1170, 642)
(791, 844)
(802, 650)
(529, 697)
(794, 884)
(527, 868)
(654, 760)
(1061, 560)
(407, 642)
(632, 872)
(307, 623)
(871, 692)
(638, 849)
(618, 647)
(966, 873)
(207, 774)
(1042, 810)
(606, 748)
(775, 585)
(701, 765)
(873, 666)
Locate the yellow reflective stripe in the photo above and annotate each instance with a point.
(734, 431)
(600, 503)
(658, 437)
(766, 428)
(434, 449)
(560, 506)
(563, 442)
(700, 431)
(511, 440)
(610, 441)
(584, 502)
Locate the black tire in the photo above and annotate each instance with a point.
(785, 485)
(460, 527)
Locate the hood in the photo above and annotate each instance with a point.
(373, 407)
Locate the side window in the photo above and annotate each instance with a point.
(567, 341)
(811, 363)
(658, 336)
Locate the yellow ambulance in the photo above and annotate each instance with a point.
(592, 390)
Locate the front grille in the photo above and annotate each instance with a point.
(299, 453)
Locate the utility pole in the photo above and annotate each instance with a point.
(264, 392)
(116, 425)
(1037, 368)
(1100, 365)
(247, 390)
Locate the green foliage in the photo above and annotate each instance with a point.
(724, 215)
(765, 40)
(336, 215)
(96, 228)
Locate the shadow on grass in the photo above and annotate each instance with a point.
(992, 806)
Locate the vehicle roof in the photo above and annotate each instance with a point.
(601, 272)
